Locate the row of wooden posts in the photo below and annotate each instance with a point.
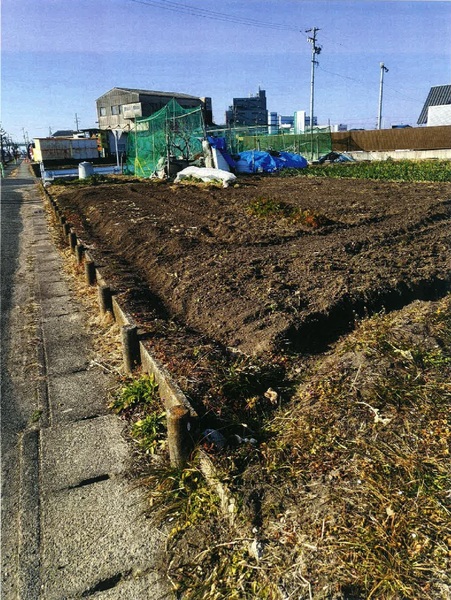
(180, 427)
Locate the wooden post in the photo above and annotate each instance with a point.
(130, 348)
(90, 272)
(79, 253)
(105, 299)
(72, 240)
(178, 435)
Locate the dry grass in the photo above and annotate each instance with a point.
(371, 433)
(349, 493)
(105, 333)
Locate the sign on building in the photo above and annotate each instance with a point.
(131, 111)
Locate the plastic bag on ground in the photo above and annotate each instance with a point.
(206, 174)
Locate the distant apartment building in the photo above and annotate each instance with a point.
(248, 112)
(278, 123)
(302, 121)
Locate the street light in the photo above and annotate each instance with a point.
(381, 91)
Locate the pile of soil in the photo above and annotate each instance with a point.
(258, 280)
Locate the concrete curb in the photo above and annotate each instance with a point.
(137, 353)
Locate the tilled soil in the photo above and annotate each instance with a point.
(330, 251)
(226, 296)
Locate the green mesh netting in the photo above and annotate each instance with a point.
(171, 134)
(310, 145)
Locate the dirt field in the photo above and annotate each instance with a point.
(234, 288)
(273, 261)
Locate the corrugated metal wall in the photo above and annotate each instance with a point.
(415, 138)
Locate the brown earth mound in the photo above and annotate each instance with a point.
(272, 261)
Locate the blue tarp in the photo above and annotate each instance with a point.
(258, 161)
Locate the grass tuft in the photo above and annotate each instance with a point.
(137, 392)
(268, 208)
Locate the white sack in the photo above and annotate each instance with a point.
(205, 174)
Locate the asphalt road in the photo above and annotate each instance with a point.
(72, 524)
(13, 194)
(18, 401)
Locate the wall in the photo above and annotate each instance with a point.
(439, 115)
(402, 155)
(64, 148)
(386, 140)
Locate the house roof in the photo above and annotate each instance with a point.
(149, 93)
(63, 133)
(439, 95)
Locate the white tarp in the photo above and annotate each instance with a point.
(206, 174)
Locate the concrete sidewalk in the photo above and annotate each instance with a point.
(81, 528)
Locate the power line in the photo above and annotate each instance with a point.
(365, 84)
(213, 15)
(178, 7)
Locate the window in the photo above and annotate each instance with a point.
(102, 111)
(116, 110)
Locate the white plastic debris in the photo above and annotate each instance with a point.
(206, 174)
(245, 440)
(256, 549)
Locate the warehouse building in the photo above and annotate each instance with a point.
(120, 106)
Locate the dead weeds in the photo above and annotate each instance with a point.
(348, 493)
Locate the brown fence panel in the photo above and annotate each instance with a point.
(415, 138)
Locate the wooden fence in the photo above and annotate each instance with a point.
(411, 138)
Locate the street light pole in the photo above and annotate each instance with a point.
(381, 92)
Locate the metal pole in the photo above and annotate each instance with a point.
(312, 87)
(381, 92)
(117, 150)
(315, 50)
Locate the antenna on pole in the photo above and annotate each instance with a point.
(315, 50)
(381, 92)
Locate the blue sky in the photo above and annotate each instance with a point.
(58, 56)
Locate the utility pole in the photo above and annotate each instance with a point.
(315, 50)
(381, 92)
(2, 133)
(26, 141)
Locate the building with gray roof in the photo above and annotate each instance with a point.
(117, 108)
(437, 108)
